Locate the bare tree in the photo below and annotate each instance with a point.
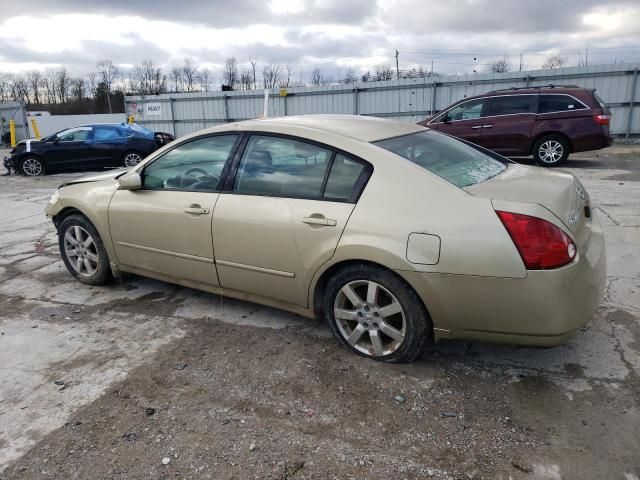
(148, 78)
(107, 71)
(288, 71)
(230, 75)
(78, 87)
(205, 79)
(4, 87)
(190, 72)
(246, 79)
(63, 81)
(176, 79)
(555, 61)
(383, 72)
(271, 74)
(19, 89)
(350, 76)
(316, 76)
(91, 84)
(34, 79)
(50, 86)
(253, 62)
(500, 65)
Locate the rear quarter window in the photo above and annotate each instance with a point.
(559, 103)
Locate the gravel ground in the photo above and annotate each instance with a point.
(142, 379)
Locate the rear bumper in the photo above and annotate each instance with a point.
(543, 309)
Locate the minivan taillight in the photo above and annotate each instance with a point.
(602, 119)
(541, 244)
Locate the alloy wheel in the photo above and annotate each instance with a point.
(32, 167)
(132, 159)
(81, 251)
(551, 151)
(370, 318)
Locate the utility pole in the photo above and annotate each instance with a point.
(397, 66)
(520, 61)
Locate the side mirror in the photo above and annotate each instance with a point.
(56, 140)
(130, 181)
(445, 118)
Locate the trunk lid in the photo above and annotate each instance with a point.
(559, 192)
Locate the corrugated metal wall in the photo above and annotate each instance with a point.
(409, 100)
(13, 111)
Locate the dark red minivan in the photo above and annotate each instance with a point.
(546, 122)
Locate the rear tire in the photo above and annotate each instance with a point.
(82, 251)
(551, 151)
(374, 313)
(32, 167)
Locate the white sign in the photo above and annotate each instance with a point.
(153, 109)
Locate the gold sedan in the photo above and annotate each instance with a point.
(398, 235)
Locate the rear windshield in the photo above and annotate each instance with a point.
(451, 159)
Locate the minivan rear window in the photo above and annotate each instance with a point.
(451, 159)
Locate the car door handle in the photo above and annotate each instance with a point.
(196, 210)
(476, 127)
(487, 126)
(327, 222)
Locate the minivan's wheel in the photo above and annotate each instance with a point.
(131, 159)
(32, 166)
(82, 251)
(376, 314)
(551, 151)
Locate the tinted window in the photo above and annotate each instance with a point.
(343, 178)
(512, 104)
(558, 103)
(447, 157)
(79, 134)
(466, 111)
(196, 165)
(106, 133)
(283, 167)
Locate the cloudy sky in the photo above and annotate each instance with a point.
(457, 35)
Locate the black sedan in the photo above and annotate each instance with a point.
(86, 147)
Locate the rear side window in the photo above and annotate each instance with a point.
(558, 103)
(282, 167)
(344, 175)
(510, 105)
(451, 159)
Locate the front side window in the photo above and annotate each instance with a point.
(513, 104)
(467, 111)
(282, 167)
(196, 165)
(451, 159)
(74, 134)
(558, 103)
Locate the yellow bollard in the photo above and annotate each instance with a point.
(132, 119)
(34, 125)
(12, 132)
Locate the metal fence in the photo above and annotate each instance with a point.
(408, 100)
(13, 111)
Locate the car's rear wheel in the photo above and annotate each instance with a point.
(131, 159)
(32, 166)
(374, 313)
(551, 150)
(82, 251)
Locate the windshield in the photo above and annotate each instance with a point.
(451, 159)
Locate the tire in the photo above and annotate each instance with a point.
(551, 151)
(131, 159)
(90, 264)
(32, 167)
(403, 335)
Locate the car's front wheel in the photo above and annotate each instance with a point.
(374, 313)
(32, 166)
(131, 159)
(551, 151)
(82, 251)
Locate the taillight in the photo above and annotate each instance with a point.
(602, 119)
(540, 243)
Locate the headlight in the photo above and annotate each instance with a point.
(54, 198)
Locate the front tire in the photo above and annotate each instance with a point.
(32, 167)
(551, 151)
(131, 159)
(374, 313)
(82, 251)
